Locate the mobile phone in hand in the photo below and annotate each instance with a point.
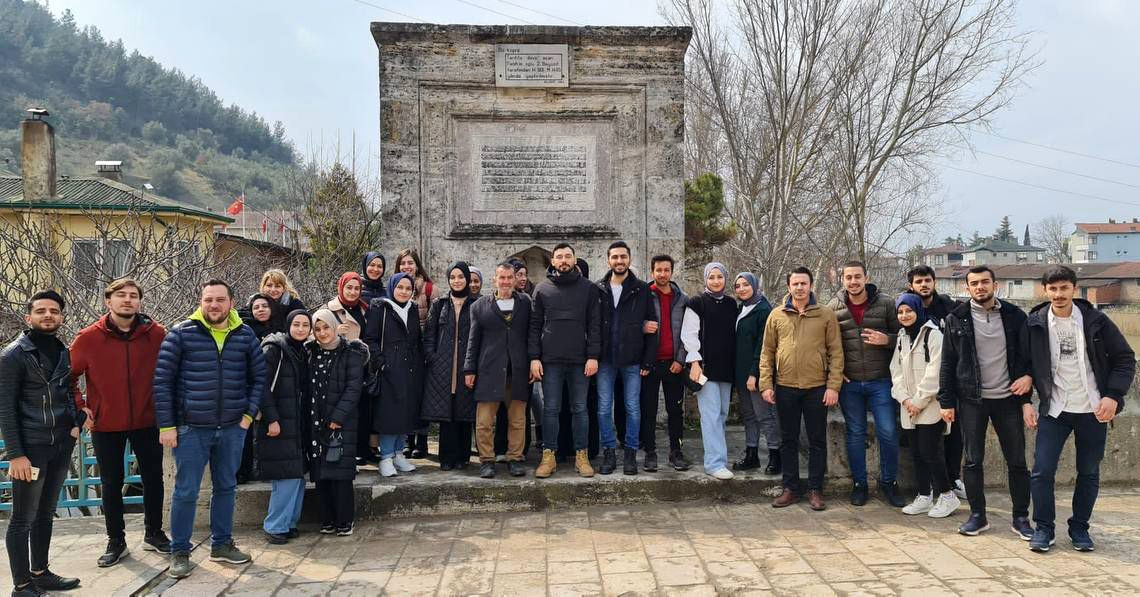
(35, 473)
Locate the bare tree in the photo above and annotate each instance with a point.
(1053, 236)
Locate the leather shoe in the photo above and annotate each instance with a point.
(50, 581)
(859, 494)
(786, 499)
(487, 470)
(517, 468)
(815, 500)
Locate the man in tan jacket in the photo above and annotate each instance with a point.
(801, 371)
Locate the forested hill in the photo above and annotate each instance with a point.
(108, 102)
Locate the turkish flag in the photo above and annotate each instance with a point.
(237, 206)
(264, 224)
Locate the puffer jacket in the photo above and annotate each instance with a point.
(36, 407)
(198, 384)
(914, 375)
(565, 326)
(286, 403)
(801, 350)
(338, 405)
(862, 361)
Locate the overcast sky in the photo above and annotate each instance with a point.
(313, 65)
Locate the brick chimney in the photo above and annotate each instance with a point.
(37, 156)
(110, 169)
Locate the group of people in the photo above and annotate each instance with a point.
(275, 391)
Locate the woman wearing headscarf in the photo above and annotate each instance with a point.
(447, 399)
(284, 425)
(393, 337)
(708, 331)
(476, 281)
(914, 378)
(336, 368)
(408, 262)
(372, 270)
(257, 314)
(759, 416)
(349, 308)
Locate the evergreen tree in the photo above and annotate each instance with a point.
(1004, 231)
(704, 204)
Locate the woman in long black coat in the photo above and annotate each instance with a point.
(336, 368)
(446, 398)
(397, 357)
(283, 426)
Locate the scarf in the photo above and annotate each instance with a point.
(757, 296)
(394, 280)
(329, 319)
(715, 265)
(915, 303)
(376, 286)
(260, 328)
(296, 344)
(401, 310)
(462, 267)
(345, 278)
(476, 272)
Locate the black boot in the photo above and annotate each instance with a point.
(650, 462)
(775, 467)
(630, 465)
(750, 460)
(609, 461)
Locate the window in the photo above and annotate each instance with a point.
(1092, 239)
(98, 261)
(1092, 255)
(1015, 282)
(938, 260)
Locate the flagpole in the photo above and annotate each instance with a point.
(244, 231)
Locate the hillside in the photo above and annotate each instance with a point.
(109, 103)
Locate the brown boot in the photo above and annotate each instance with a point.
(547, 466)
(786, 499)
(815, 500)
(582, 464)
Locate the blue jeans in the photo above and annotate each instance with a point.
(854, 399)
(712, 401)
(1051, 437)
(390, 445)
(197, 447)
(555, 377)
(285, 501)
(631, 390)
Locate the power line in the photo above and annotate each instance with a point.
(1042, 187)
(545, 14)
(1058, 149)
(395, 12)
(491, 10)
(1061, 170)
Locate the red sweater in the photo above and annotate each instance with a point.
(665, 351)
(119, 370)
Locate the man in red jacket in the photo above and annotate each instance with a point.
(117, 355)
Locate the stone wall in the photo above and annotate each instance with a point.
(475, 171)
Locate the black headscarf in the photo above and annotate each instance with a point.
(463, 267)
(261, 328)
(297, 344)
(371, 289)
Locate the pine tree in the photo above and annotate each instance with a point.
(1004, 231)
(704, 203)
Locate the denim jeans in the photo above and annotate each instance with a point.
(197, 447)
(854, 399)
(1005, 414)
(792, 406)
(1051, 437)
(555, 377)
(285, 501)
(33, 510)
(631, 398)
(712, 401)
(390, 445)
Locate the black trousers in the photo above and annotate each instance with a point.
(1005, 414)
(930, 459)
(336, 502)
(33, 510)
(455, 441)
(110, 448)
(792, 406)
(364, 419)
(674, 386)
(952, 444)
(248, 451)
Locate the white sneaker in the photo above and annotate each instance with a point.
(947, 504)
(920, 505)
(959, 490)
(722, 474)
(402, 464)
(387, 469)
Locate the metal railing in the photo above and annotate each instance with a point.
(83, 487)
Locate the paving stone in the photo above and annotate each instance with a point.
(678, 571)
(629, 583)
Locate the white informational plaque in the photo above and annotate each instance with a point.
(532, 65)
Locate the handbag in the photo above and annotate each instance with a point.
(334, 447)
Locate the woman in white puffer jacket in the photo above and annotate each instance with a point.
(914, 376)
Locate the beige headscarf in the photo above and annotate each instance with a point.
(326, 316)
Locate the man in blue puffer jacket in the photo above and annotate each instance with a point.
(207, 387)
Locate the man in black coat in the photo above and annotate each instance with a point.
(496, 368)
(627, 350)
(564, 344)
(40, 423)
(1082, 368)
(985, 378)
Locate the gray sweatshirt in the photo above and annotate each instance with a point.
(989, 345)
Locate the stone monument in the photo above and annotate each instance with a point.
(501, 141)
